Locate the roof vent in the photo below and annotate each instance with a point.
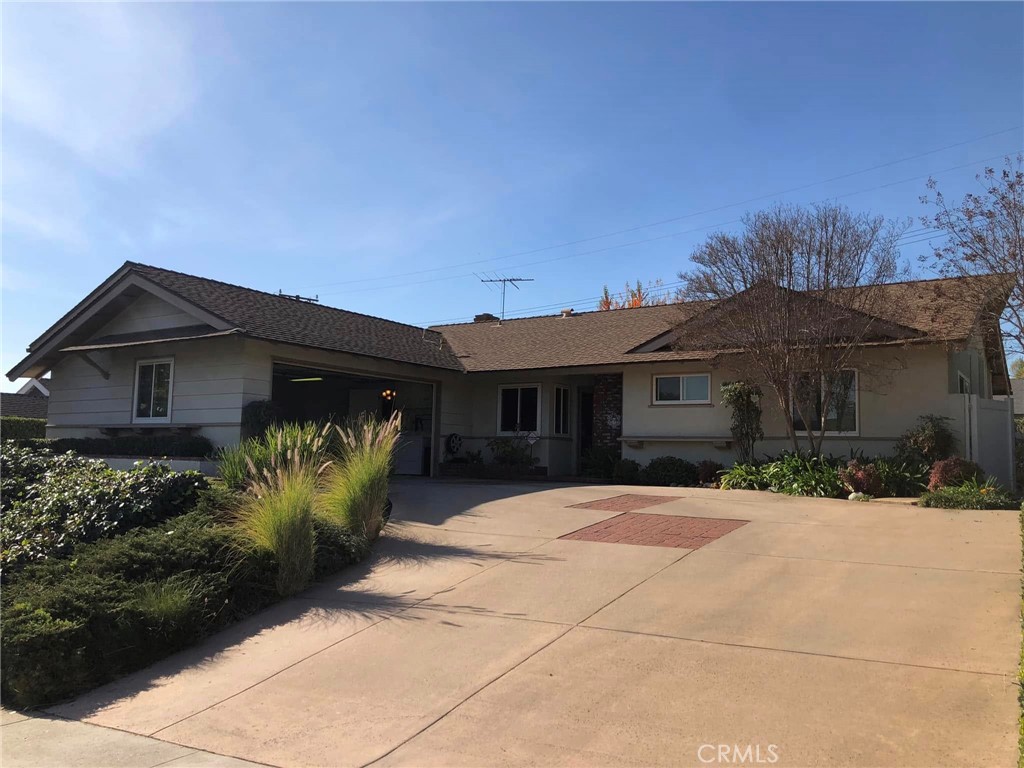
(567, 312)
(485, 317)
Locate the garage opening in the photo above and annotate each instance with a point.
(313, 394)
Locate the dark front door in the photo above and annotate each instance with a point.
(586, 422)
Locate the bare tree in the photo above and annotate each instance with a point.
(796, 294)
(634, 296)
(985, 235)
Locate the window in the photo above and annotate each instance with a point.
(519, 408)
(153, 381)
(963, 383)
(842, 410)
(561, 425)
(682, 390)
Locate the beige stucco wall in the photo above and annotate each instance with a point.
(895, 387)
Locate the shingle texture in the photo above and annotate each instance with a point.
(276, 318)
(27, 406)
(941, 310)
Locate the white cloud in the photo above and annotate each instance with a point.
(97, 79)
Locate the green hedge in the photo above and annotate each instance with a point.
(52, 502)
(147, 446)
(21, 428)
(121, 604)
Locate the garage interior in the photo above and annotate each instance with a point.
(313, 394)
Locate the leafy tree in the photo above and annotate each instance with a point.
(985, 235)
(793, 297)
(1017, 369)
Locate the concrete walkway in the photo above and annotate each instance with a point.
(821, 633)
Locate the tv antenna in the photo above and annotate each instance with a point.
(506, 281)
(296, 297)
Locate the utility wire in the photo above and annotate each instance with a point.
(659, 237)
(674, 218)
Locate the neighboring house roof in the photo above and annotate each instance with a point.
(35, 387)
(944, 310)
(26, 406)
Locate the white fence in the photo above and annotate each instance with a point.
(986, 434)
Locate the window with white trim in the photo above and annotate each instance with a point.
(561, 420)
(154, 380)
(842, 416)
(682, 389)
(963, 383)
(518, 408)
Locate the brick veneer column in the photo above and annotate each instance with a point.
(608, 411)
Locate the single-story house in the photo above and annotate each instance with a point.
(156, 350)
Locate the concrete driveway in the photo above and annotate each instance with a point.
(819, 633)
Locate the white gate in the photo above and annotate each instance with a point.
(988, 435)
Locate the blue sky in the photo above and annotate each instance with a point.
(380, 155)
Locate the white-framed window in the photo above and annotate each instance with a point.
(518, 408)
(681, 389)
(843, 417)
(560, 424)
(154, 380)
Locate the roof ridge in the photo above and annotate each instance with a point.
(575, 313)
(277, 295)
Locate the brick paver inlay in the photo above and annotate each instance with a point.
(657, 530)
(627, 502)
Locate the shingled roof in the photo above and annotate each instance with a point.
(279, 318)
(944, 310)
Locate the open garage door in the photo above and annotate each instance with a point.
(312, 394)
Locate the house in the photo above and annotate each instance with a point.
(28, 402)
(157, 350)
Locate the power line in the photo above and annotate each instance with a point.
(661, 237)
(674, 218)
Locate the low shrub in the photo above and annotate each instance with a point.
(626, 472)
(260, 415)
(929, 441)
(356, 486)
(669, 470)
(862, 478)
(708, 471)
(953, 471)
(797, 474)
(22, 428)
(744, 477)
(121, 604)
(599, 462)
(901, 477)
(969, 494)
(75, 500)
(22, 466)
(141, 446)
(512, 451)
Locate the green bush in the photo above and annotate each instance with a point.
(953, 471)
(626, 472)
(512, 451)
(901, 477)
(744, 477)
(121, 604)
(599, 462)
(669, 470)
(258, 416)
(21, 428)
(969, 495)
(708, 471)
(930, 441)
(73, 499)
(132, 446)
(797, 474)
